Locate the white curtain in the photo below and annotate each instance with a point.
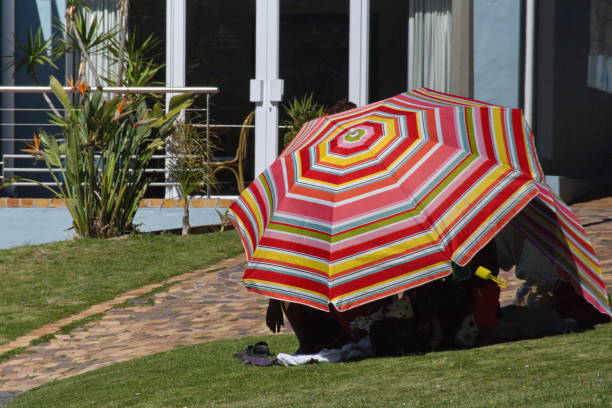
(107, 13)
(429, 44)
(600, 53)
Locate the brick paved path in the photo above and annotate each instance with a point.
(201, 306)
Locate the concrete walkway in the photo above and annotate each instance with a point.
(200, 306)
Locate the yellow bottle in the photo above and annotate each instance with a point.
(484, 273)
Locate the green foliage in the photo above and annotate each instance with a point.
(190, 152)
(139, 65)
(100, 165)
(42, 339)
(300, 111)
(94, 40)
(67, 329)
(108, 143)
(35, 53)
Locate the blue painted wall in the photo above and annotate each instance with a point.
(497, 51)
(32, 226)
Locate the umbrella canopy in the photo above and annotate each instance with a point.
(379, 199)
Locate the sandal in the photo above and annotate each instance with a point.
(259, 349)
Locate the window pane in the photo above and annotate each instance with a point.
(148, 17)
(388, 48)
(221, 53)
(314, 41)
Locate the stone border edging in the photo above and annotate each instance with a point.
(146, 203)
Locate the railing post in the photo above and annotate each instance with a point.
(7, 133)
(208, 137)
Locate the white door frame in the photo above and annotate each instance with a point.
(267, 89)
(176, 46)
(359, 51)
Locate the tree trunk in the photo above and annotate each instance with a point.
(186, 216)
(123, 27)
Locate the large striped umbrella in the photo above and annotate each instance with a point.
(379, 199)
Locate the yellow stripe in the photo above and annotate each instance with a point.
(250, 200)
(533, 166)
(488, 221)
(473, 196)
(389, 124)
(334, 269)
(436, 96)
(498, 131)
(371, 175)
(243, 226)
(291, 258)
(381, 253)
(382, 283)
(583, 277)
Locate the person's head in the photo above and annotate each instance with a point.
(340, 106)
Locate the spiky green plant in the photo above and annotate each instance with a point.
(190, 152)
(300, 111)
(100, 166)
(139, 66)
(35, 53)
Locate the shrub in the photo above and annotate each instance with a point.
(100, 163)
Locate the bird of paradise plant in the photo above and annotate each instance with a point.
(98, 161)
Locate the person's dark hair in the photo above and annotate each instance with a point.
(340, 106)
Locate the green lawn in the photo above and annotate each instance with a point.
(44, 283)
(563, 371)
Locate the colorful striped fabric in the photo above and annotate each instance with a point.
(379, 199)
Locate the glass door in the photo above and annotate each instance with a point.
(221, 52)
(314, 49)
(388, 56)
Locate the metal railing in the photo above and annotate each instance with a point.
(9, 169)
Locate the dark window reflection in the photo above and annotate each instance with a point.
(314, 43)
(388, 48)
(221, 53)
(148, 17)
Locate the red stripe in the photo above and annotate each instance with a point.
(290, 265)
(286, 298)
(487, 135)
(398, 289)
(240, 214)
(387, 274)
(519, 140)
(496, 228)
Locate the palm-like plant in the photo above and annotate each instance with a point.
(190, 152)
(35, 53)
(100, 167)
(139, 67)
(300, 111)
